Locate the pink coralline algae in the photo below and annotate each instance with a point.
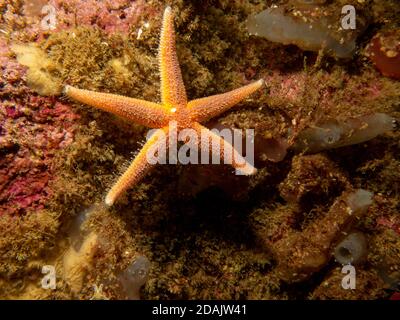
(290, 86)
(389, 222)
(32, 130)
(293, 89)
(110, 15)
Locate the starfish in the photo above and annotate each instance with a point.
(174, 108)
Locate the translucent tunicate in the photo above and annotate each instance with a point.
(334, 134)
(359, 201)
(275, 25)
(134, 277)
(75, 233)
(352, 249)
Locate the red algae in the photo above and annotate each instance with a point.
(32, 129)
(391, 223)
(110, 15)
(289, 85)
(384, 51)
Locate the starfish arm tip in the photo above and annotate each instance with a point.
(109, 201)
(66, 89)
(253, 171)
(247, 170)
(168, 9)
(261, 82)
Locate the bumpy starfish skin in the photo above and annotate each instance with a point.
(174, 108)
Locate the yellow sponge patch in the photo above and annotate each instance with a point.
(40, 76)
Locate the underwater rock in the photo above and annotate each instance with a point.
(197, 178)
(273, 149)
(389, 274)
(309, 26)
(384, 51)
(32, 130)
(334, 134)
(301, 254)
(352, 249)
(286, 87)
(112, 16)
(312, 175)
(384, 255)
(368, 286)
(134, 277)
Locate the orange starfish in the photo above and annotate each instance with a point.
(174, 108)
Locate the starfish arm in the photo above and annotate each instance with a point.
(173, 93)
(139, 166)
(139, 111)
(206, 108)
(222, 149)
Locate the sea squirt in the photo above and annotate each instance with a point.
(334, 134)
(352, 249)
(134, 277)
(301, 254)
(307, 26)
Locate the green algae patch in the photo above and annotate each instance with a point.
(91, 59)
(24, 241)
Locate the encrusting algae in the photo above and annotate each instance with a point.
(210, 241)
